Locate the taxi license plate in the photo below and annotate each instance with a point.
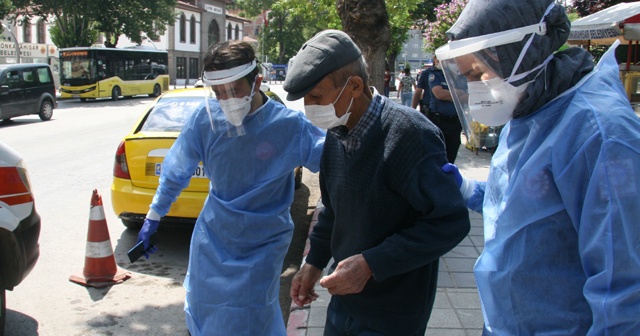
(199, 173)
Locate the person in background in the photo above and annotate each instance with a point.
(389, 211)
(406, 87)
(432, 88)
(387, 80)
(249, 146)
(560, 205)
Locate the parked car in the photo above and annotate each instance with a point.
(26, 89)
(138, 162)
(19, 225)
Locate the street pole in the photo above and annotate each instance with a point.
(15, 40)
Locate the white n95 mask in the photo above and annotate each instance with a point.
(492, 102)
(324, 116)
(235, 109)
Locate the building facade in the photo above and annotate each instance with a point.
(198, 24)
(413, 52)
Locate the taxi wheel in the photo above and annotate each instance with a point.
(156, 91)
(46, 110)
(132, 224)
(115, 93)
(3, 306)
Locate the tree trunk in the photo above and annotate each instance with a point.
(367, 22)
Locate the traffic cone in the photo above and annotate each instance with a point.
(100, 268)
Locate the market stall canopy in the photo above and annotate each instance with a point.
(621, 22)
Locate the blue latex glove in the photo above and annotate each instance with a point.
(148, 228)
(450, 168)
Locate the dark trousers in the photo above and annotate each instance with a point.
(341, 323)
(451, 128)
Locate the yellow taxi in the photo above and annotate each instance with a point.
(138, 162)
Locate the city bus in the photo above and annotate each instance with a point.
(90, 73)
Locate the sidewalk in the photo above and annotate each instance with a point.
(457, 309)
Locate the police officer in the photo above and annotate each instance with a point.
(442, 111)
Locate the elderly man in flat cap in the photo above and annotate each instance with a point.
(389, 211)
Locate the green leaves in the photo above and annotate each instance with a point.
(77, 22)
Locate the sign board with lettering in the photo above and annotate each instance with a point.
(213, 9)
(609, 23)
(33, 50)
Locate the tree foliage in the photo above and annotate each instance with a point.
(6, 7)
(76, 22)
(446, 16)
(292, 22)
(587, 7)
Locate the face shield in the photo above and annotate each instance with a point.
(228, 97)
(485, 97)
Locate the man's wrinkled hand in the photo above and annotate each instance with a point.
(302, 290)
(349, 277)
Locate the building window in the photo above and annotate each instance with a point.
(41, 32)
(214, 33)
(183, 28)
(26, 30)
(181, 67)
(194, 70)
(192, 30)
(229, 31)
(237, 32)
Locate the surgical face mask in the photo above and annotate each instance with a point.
(235, 109)
(324, 116)
(492, 102)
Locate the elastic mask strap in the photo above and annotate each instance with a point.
(525, 74)
(343, 87)
(526, 46)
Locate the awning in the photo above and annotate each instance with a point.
(621, 21)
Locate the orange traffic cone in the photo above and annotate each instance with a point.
(100, 268)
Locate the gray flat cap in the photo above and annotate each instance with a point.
(327, 51)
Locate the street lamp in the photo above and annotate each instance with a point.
(15, 41)
(144, 35)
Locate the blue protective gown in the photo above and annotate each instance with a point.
(243, 232)
(562, 216)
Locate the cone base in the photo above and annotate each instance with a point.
(99, 282)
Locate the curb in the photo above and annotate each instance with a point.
(299, 316)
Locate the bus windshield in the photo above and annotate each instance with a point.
(78, 68)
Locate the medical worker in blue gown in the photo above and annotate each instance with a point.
(249, 146)
(561, 204)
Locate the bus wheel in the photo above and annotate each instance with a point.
(156, 91)
(46, 110)
(115, 93)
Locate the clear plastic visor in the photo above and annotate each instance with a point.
(475, 62)
(473, 68)
(228, 95)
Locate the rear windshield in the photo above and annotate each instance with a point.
(171, 113)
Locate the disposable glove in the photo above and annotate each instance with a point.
(450, 168)
(148, 228)
(466, 186)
